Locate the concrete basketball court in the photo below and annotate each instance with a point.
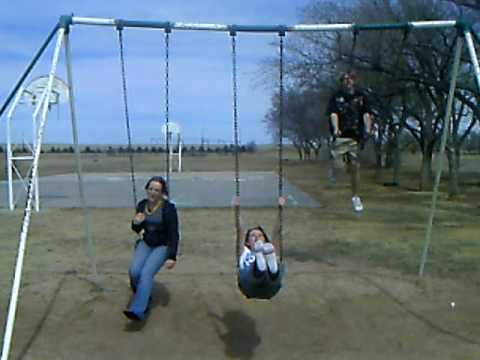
(188, 190)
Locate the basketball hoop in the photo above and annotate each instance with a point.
(169, 132)
(173, 129)
(35, 89)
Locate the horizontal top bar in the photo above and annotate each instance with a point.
(167, 25)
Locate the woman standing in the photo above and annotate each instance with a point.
(156, 221)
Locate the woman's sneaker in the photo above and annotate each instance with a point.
(258, 246)
(268, 248)
(269, 252)
(259, 258)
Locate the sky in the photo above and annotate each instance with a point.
(200, 69)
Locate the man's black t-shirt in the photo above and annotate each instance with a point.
(350, 108)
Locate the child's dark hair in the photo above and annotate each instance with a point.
(258, 227)
(160, 180)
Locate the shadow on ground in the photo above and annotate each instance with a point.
(240, 334)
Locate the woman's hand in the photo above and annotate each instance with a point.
(139, 218)
(170, 264)
(282, 201)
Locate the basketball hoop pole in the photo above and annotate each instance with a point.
(170, 151)
(173, 131)
(179, 139)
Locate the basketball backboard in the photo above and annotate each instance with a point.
(34, 90)
(173, 128)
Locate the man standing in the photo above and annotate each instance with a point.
(350, 119)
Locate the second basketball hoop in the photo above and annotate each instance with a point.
(173, 137)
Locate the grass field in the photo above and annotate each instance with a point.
(351, 291)
(390, 232)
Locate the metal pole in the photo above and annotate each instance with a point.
(11, 204)
(86, 211)
(28, 69)
(281, 116)
(436, 24)
(35, 185)
(8, 151)
(35, 121)
(446, 126)
(167, 108)
(12, 306)
(170, 166)
(473, 57)
(179, 153)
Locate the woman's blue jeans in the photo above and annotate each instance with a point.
(147, 262)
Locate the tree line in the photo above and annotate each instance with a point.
(186, 149)
(405, 73)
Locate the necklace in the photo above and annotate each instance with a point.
(150, 212)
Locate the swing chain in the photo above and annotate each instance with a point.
(280, 141)
(235, 115)
(127, 117)
(236, 144)
(167, 105)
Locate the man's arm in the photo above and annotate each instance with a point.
(332, 113)
(367, 121)
(367, 113)
(334, 123)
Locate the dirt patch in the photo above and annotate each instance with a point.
(330, 307)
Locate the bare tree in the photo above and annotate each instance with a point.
(468, 4)
(303, 120)
(408, 73)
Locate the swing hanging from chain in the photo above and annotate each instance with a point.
(237, 145)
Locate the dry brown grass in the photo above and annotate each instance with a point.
(54, 164)
(389, 233)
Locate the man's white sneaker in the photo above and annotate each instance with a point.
(357, 204)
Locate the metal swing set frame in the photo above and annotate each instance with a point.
(61, 31)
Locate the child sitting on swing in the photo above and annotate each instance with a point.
(259, 273)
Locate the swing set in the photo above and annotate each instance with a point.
(61, 31)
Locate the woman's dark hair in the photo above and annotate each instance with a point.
(258, 227)
(160, 180)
